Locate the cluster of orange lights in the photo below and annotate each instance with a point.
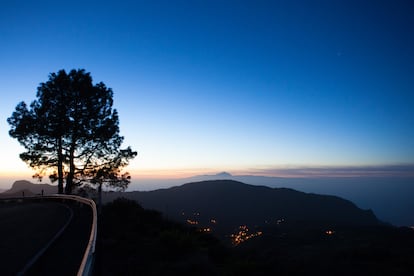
(195, 222)
(205, 230)
(243, 235)
(192, 222)
(329, 232)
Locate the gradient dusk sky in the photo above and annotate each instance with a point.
(240, 86)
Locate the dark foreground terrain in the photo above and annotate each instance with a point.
(135, 241)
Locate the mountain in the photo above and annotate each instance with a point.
(231, 204)
(389, 197)
(29, 188)
(222, 175)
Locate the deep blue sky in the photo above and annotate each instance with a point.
(244, 86)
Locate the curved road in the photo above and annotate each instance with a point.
(27, 226)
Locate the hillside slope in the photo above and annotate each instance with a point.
(231, 203)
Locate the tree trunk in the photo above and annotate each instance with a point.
(71, 174)
(60, 166)
(100, 199)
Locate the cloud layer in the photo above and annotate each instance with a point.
(405, 170)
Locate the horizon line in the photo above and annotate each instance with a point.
(394, 170)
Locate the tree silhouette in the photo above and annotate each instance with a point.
(71, 133)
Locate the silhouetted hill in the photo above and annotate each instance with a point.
(30, 189)
(231, 203)
(135, 241)
(366, 192)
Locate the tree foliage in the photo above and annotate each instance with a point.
(71, 133)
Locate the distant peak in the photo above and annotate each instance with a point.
(223, 174)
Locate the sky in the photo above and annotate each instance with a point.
(252, 87)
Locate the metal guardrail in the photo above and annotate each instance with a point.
(85, 268)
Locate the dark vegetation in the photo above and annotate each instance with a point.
(297, 249)
(135, 241)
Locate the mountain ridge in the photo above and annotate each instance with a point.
(29, 188)
(366, 192)
(232, 203)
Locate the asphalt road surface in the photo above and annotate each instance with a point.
(28, 226)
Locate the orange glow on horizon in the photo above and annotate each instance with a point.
(163, 174)
(17, 175)
(177, 173)
(21, 171)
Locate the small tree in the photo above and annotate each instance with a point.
(71, 132)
